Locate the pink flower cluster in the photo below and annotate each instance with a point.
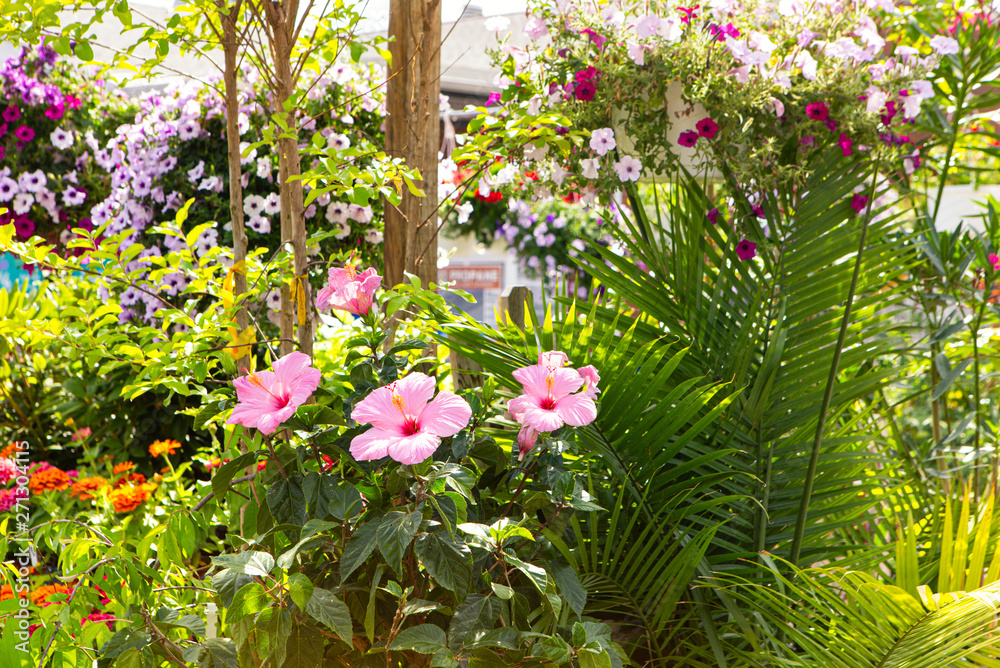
(554, 395)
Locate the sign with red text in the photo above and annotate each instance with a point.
(473, 276)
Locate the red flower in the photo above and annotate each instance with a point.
(585, 91)
(707, 128)
(817, 111)
(688, 138)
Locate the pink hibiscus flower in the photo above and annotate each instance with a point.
(549, 401)
(404, 425)
(268, 398)
(348, 291)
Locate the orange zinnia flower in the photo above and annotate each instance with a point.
(6, 591)
(127, 499)
(160, 447)
(40, 594)
(85, 487)
(49, 479)
(131, 479)
(123, 467)
(9, 450)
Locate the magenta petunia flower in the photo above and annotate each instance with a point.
(11, 114)
(589, 73)
(348, 291)
(746, 250)
(268, 398)
(598, 40)
(493, 99)
(858, 203)
(817, 111)
(707, 128)
(845, 143)
(585, 91)
(55, 111)
(713, 215)
(549, 401)
(24, 134)
(72, 101)
(688, 138)
(406, 424)
(24, 226)
(995, 261)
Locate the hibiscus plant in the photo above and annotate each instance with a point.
(388, 526)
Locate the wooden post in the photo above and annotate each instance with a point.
(413, 133)
(228, 17)
(514, 302)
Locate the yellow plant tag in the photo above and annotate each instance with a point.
(242, 341)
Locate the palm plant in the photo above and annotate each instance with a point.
(796, 338)
(835, 618)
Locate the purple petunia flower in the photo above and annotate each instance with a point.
(24, 134)
(688, 138)
(746, 250)
(707, 128)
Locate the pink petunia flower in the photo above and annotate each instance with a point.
(994, 260)
(268, 398)
(628, 169)
(55, 111)
(688, 138)
(406, 424)
(858, 203)
(348, 291)
(817, 111)
(707, 128)
(24, 134)
(602, 140)
(746, 250)
(550, 397)
(845, 143)
(11, 114)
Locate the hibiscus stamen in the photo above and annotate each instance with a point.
(257, 382)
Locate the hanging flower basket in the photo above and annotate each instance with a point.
(682, 117)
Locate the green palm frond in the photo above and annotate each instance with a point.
(845, 619)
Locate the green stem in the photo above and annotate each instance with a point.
(800, 523)
(987, 289)
(956, 124)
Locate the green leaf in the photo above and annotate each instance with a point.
(345, 501)
(553, 648)
(250, 563)
(569, 586)
(478, 613)
(425, 639)
(408, 344)
(249, 600)
(592, 659)
(333, 612)
(218, 653)
(226, 472)
(448, 562)
(395, 533)
(305, 648)
(308, 533)
(300, 589)
(359, 548)
(287, 501)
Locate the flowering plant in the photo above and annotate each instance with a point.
(741, 86)
(393, 483)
